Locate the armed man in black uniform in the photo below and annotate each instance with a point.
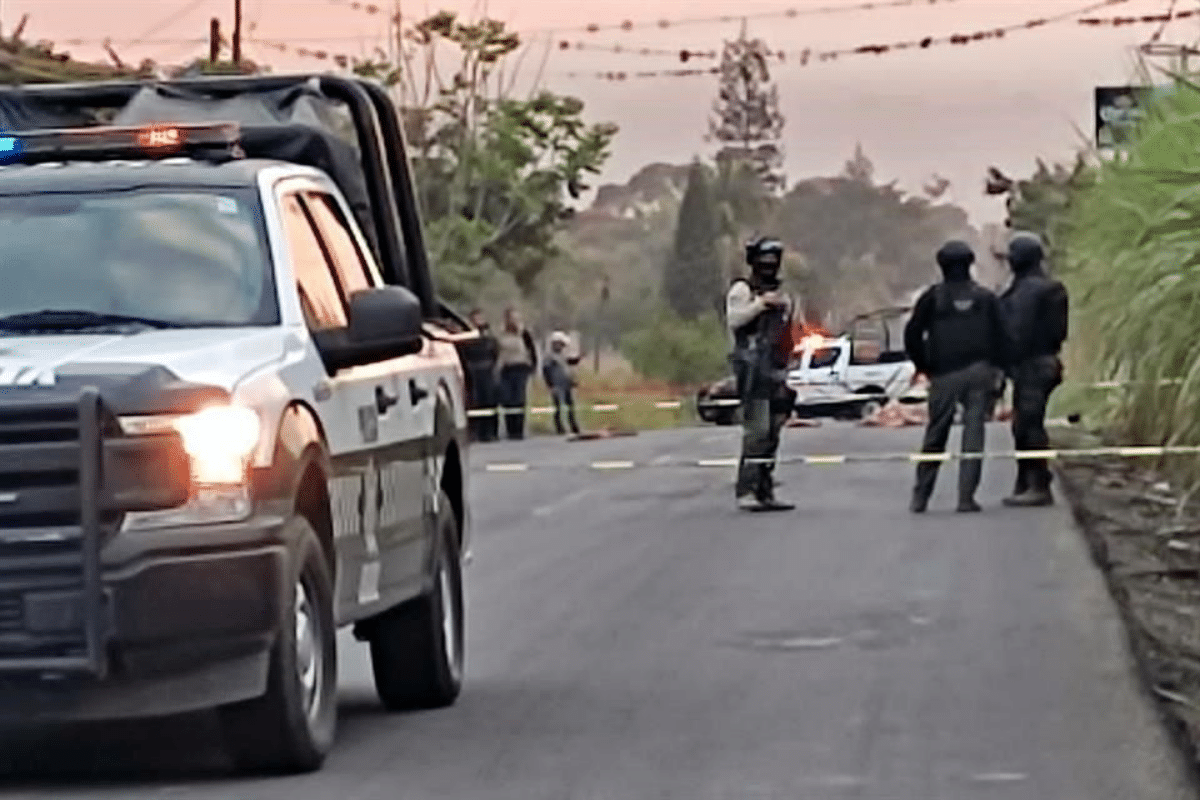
(957, 337)
(759, 317)
(1036, 307)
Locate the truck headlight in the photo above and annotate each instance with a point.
(220, 442)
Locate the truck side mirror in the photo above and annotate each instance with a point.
(385, 322)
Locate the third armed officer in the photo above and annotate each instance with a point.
(1036, 306)
(957, 337)
(759, 317)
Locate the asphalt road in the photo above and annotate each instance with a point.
(633, 637)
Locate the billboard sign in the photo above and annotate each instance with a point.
(1118, 109)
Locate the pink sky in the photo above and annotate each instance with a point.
(950, 110)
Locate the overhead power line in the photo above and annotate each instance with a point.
(78, 42)
(805, 57)
(168, 21)
(688, 54)
(630, 25)
(1158, 34)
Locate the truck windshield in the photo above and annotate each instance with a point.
(187, 257)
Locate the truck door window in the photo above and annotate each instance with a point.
(825, 357)
(348, 260)
(320, 297)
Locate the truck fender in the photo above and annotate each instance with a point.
(446, 471)
(300, 452)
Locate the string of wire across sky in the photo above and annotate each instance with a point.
(1079, 15)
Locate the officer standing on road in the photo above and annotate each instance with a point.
(759, 317)
(481, 368)
(1036, 307)
(956, 336)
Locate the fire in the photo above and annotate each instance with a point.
(806, 334)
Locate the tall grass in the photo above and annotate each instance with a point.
(1133, 265)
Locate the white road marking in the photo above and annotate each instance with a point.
(999, 777)
(799, 643)
(574, 497)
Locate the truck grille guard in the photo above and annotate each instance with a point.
(67, 475)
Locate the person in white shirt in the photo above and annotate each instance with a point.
(759, 318)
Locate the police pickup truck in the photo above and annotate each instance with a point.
(829, 381)
(231, 411)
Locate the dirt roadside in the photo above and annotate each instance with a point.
(1145, 537)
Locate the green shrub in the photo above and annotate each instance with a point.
(678, 352)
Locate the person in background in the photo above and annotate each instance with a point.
(558, 370)
(517, 360)
(957, 337)
(482, 357)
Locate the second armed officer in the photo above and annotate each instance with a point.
(759, 317)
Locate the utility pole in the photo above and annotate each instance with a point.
(601, 316)
(214, 40)
(237, 32)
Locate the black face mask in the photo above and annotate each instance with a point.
(765, 276)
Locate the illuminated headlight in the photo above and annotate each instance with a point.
(220, 442)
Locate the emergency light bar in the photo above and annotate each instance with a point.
(208, 141)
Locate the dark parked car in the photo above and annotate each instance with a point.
(718, 402)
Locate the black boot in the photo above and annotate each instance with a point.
(770, 503)
(1037, 492)
(1021, 486)
(967, 505)
(764, 495)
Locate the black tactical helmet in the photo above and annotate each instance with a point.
(1025, 252)
(765, 255)
(955, 258)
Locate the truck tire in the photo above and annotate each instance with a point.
(290, 729)
(417, 649)
(869, 409)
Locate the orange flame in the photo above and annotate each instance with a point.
(805, 333)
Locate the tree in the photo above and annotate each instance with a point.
(1041, 204)
(747, 121)
(859, 167)
(496, 173)
(693, 281)
(861, 241)
(41, 63)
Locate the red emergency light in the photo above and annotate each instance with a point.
(209, 141)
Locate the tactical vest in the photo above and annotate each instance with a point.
(757, 364)
(960, 331)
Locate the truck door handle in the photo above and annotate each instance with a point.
(383, 400)
(416, 393)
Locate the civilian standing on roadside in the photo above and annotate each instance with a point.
(957, 337)
(516, 363)
(558, 371)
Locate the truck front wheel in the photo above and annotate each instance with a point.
(417, 649)
(290, 729)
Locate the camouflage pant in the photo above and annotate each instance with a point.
(762, 423)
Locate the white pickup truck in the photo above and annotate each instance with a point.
(832, 377)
